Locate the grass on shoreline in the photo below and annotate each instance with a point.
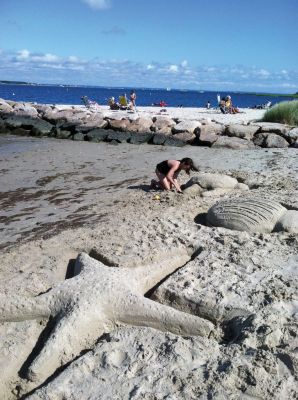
(285, 112)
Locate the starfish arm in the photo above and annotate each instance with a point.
(17, 308)
(146, 277)
(70, 336)
(85, 263)
(144, 312)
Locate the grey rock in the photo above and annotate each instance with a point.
(139, 138)
(25, 109)
(141, 125)
(78, 136)
(274, 140)
(5, 108)
(120, 137)
(260, 139)
(161, 121)
(174, 141)
(207, 138)
(119, 125)
(242, 131)
(186, 126)
(159, 138)
(21, 132)
(212, 128)
(291, 135)
(63, 134)
(233, 143)
(186, 137)
(41, 128)
(98, 135)
(38, 126)
(271, 127)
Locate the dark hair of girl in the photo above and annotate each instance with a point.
(189, 161)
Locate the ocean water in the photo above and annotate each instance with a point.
(51, 94)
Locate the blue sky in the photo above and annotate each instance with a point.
(192, 44)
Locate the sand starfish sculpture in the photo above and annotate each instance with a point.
(94, 302)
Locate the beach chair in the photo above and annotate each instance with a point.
(88, 103)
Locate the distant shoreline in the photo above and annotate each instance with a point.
(21, 83)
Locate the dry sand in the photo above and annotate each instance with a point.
(61, 197)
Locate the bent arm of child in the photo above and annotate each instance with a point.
(172, 177)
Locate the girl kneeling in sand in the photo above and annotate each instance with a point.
(167, 172)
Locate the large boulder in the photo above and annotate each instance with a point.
(211, 127)
(37, 126)
(233, 143)
(260, 139)
(159, 138)
(120, 137)
(187, 126)
(42, 108)
(291, 135)
(242, 131)
(186, 137)
(97, 135)
(139, 138)
(90, 124)
(274, 140)
(141, 125)
(5, 108)
(119, 125)
(162, 124)
(271, 127)
(207, 138)
(63, 134)
(25, 110)
(173, 140)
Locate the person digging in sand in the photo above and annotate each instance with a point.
(167, 173)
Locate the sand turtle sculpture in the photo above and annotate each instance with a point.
(253, 215)
(217, 183)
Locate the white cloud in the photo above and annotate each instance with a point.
(98, 4)
(23, 55)
(40, 67)
(264, 73)
(173, 68)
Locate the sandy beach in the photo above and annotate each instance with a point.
(189, 113)
(60, 198)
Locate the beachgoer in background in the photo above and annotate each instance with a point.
(229, 106)
(167, 172)
(162, 103)
(133, 98)
(222, 106)
(89, 103)
(113, 105)
(208, 105)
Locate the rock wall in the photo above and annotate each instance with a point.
(77, 123)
